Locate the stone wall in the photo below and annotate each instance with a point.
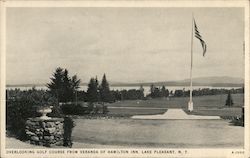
(45, 132)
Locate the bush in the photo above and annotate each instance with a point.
(68, 128)
(16, 116)
(73, 109)
(83, 109)
(21, 105)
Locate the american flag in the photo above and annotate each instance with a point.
(197, 35)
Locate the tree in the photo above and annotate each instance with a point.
(56, 84)
(178, 93)
(105, 91)
(75, 85)
(163, 91)
(67, 88)
(152, 88)
(98, 89)
(157, 93)
(167, 93)
(141, 90)
(152, 91)
(229, 101)
(62, 86)
(92, 92)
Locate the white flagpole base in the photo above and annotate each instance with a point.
(190, 106)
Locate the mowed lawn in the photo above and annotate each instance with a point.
(203, 105)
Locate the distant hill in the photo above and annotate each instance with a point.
(223, 81)
(200, 81)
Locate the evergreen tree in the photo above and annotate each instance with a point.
(56, 84)
(68, 92)
(98, 89)
(62, 86)
(152, 90)
(167, 93)
(92, 92)
(104, 90)
(163, 91)
(229, 101)
(141, 90)
(75, 85)
(157, 92)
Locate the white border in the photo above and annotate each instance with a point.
(3, 72)
(128, 3)
(191, 152)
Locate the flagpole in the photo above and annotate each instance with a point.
(190, 103)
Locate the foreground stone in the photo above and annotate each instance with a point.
(45, 132)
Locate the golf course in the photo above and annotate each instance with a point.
(127, 132)
(203, 105)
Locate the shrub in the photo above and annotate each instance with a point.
(82, 109)
(21, 105)
(16, 116)
(73, 109)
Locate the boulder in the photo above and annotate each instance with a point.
(34, 138)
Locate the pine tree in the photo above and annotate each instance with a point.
(167, 93)
(75, 85)
(67, 91)
(229, 101)
(141, 90)
(92, 92)
(56, 84)
(163, 91)
(62, 86)
(105, 91)
(152, 90)
(98, 89)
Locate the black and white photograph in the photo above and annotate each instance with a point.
(111, 79)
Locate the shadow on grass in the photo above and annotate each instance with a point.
(237, 122)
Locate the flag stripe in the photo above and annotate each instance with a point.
(197, 35)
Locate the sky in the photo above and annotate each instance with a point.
(128, 44)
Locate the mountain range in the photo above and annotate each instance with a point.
(223, 81)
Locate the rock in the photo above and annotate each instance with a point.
(34, 138)
(43, 124)
(30, 133)
(51, 130)
(46, 137)
(59, 133)
(59, 143)
(50, 124)
(60, 126)
(45, 132)
(40, 143)
(39, 133)
(49, 137)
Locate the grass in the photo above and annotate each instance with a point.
(129, 132)
(158, 133)
(203, 105)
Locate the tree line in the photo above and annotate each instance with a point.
(66, 89)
